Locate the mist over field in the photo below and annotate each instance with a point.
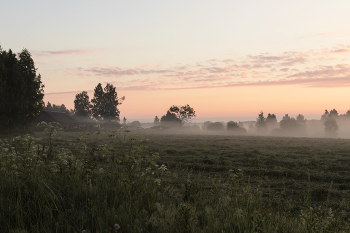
(175, 116)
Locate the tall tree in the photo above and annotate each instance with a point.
(33, 102)
(183, 113)
(22, 90)
(98, 103)
(105, 103)
(111, 111)
(82, 106)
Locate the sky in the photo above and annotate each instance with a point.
(223, 58)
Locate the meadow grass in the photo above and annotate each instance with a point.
(70, 182)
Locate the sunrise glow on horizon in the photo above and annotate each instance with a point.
(223, 58)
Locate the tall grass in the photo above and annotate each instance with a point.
(91, 186)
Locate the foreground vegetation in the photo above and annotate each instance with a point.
(114, 182)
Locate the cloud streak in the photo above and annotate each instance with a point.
(61, 52)
(322, 68)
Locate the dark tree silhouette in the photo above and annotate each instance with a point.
(82, 105)
(56, 108)
(111, 100)
(169, 119)
(183, 113)
(105, 103)
(97, 108)
(21, 90)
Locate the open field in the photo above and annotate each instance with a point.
(207, 183)
(281, 165)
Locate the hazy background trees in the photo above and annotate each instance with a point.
(183, 113)
(21, 90)
(330, 122)
(271, 121)
(260, 125)
(235, 127)
(57, 108)
(178, 115)
(156, 121)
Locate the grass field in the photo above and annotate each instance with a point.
(149, 182)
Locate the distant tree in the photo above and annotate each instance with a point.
(271, 121)
(205, 125)
(331, 126)
(231, 125)
(300, 118)
(124, 121)
(325, 115)
(217, 126)
(111, 103)
(183, 113)
(288, 123)
(21, 90)
(347, 113)
(48, 107)
(234, 127)
(98, 103)
(169, 119)
(105, 103)
(82, 105)
(56, 108)
(156, 121)
(334, 113)
(261, 122)
(135, 124)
